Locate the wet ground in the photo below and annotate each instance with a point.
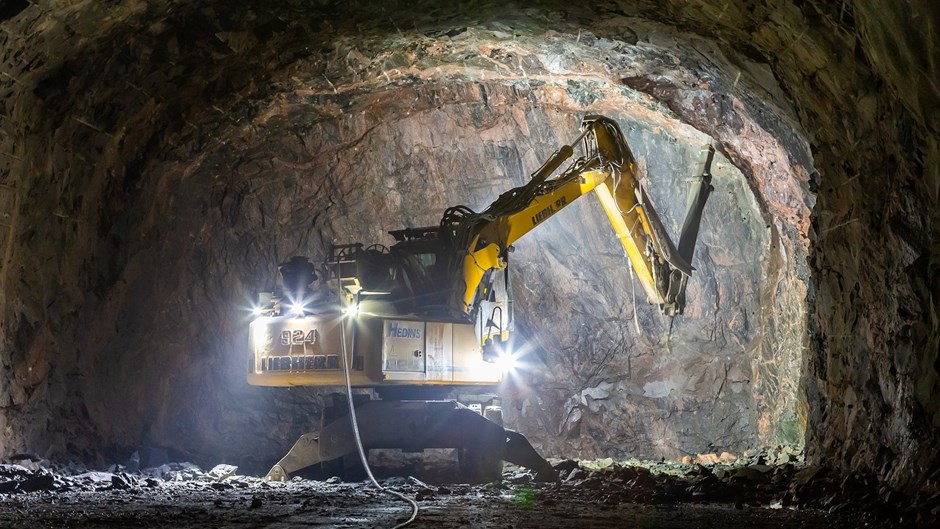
(588, 495)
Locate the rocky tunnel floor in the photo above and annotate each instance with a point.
(743, 493)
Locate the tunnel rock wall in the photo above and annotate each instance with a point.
(107, 314)
(859, 78)
(137, 147)
(196, 214)
(876, 332)
(158, 245)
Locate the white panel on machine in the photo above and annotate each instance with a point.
(440, 351)
(469, 365)
(403, 346)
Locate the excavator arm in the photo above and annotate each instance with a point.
(609, 169)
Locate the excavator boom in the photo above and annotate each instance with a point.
(608, 168)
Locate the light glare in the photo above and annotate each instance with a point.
(507, 362)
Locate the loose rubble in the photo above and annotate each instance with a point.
(772, 484)
(775, 478)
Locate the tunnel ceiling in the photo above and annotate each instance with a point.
(158, 160)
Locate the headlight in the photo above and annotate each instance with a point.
(501, 355)
(351, 310)
(263, 306)
(296, 309)
(507, 362)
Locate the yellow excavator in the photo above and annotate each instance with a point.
(432, 314)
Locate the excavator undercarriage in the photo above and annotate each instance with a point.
(413, 426)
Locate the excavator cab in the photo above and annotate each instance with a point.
(408, 275)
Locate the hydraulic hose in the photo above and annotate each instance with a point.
(355, 426)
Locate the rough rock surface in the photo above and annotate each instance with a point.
(590, 493)
(343, 152)
(156, 162)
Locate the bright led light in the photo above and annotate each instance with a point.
(257, 311)
(507, 362)
(352, 310)
(297, 309)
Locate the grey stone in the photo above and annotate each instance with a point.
(221, 472)
(120, 482)
(95, 477)
(37, 482)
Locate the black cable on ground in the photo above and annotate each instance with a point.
(355, 426)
